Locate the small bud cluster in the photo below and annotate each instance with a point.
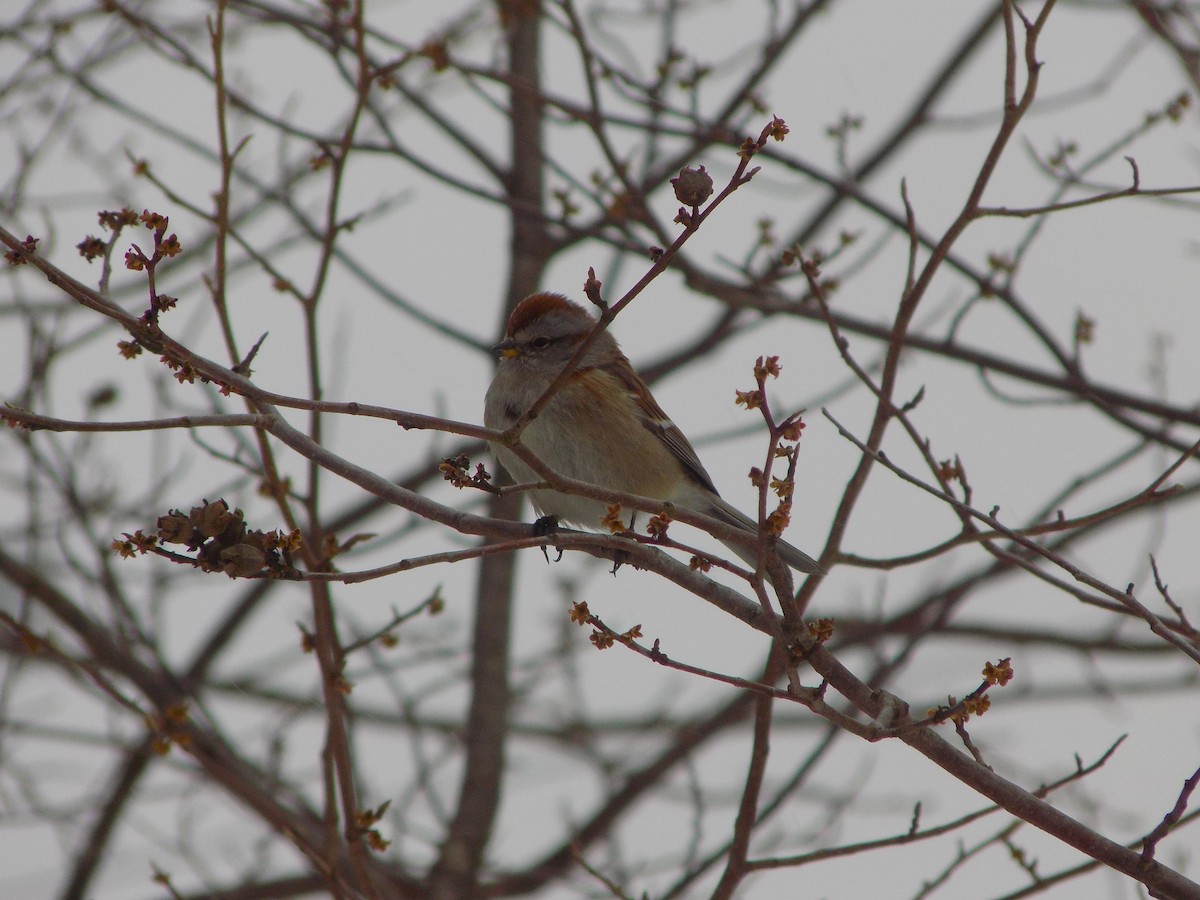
(821, 630)
(977, 702)
(455, 470)
(785, 438)
(169, 727)
(21, 257)
(612, 519)
(657, 526)
(166, 246)
(364, 827)
(602, 637)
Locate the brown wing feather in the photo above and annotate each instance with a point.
(658, 422)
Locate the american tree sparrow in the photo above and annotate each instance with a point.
(602, 426)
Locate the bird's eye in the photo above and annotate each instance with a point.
(540, 343)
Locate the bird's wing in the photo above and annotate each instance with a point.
(658, 422)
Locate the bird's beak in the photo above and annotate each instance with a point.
(506, 348)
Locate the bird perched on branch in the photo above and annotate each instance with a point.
(602, 425)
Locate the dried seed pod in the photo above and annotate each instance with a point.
(693, 186)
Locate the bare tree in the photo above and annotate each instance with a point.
(238, 658)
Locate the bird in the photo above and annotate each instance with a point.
(602, 425)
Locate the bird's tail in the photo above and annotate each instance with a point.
(793, 556)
